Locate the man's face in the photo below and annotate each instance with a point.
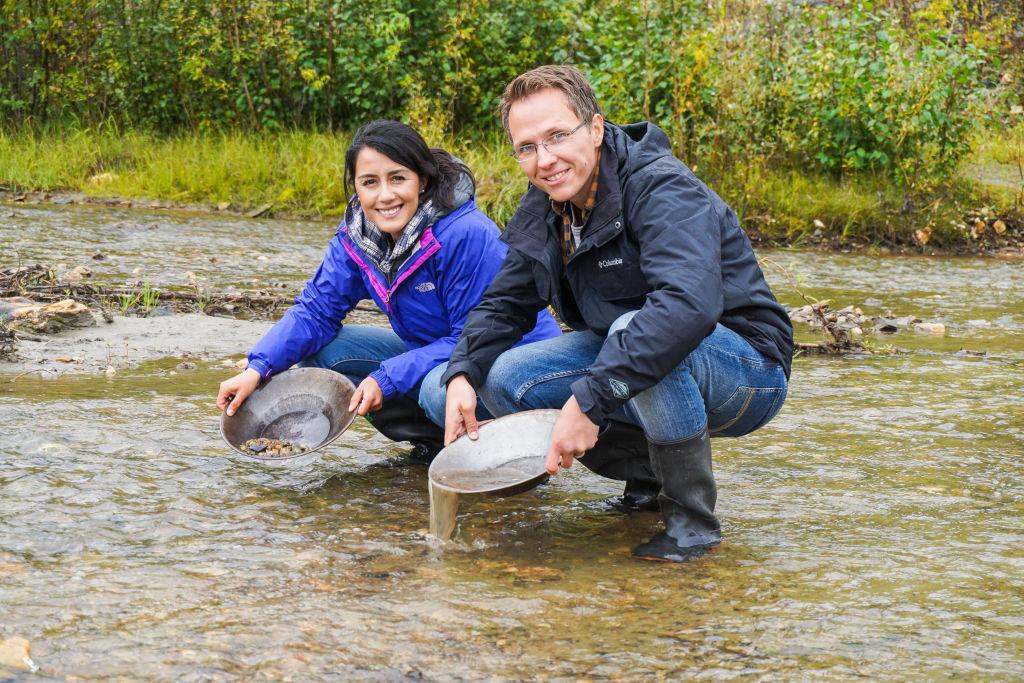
(564, 171)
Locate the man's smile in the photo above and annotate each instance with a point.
(556, 177)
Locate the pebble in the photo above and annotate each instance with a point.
(886, 325)
(76, 274)
(16, 653)
(937, 329)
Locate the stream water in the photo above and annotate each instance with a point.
(874, 529)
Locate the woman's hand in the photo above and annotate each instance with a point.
(368, 397)
(234, 391)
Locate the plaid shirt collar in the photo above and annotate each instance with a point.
(563, 210)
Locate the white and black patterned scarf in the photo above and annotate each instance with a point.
(375, 244)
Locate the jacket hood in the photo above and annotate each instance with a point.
(636, 145)
(464, 191)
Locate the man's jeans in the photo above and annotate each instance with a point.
(724, 383)
(359, 350)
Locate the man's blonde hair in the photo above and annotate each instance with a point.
(562, 77)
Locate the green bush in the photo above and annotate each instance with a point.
(838, 88)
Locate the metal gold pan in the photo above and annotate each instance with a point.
(508, 458)
(307, 406)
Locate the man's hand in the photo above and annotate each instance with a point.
(574, 435)
(367, 398)
(234, 391)
(460, 410)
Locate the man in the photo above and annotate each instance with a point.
(676, 330)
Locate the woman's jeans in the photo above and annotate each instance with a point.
(359, 350)
(724, 384)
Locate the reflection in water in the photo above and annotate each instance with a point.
(874, 527)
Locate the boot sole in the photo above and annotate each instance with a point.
(664, 560)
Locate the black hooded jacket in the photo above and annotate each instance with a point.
(658, 241)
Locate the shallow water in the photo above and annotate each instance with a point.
(874, 529)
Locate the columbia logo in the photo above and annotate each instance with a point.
(425, 287)
(609, 262)
(619, 389)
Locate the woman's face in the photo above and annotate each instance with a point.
(388, 192)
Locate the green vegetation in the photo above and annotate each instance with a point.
(861, 115)
(142, 299)
(299, 174)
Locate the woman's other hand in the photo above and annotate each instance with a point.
(368, 397)
(234, 391)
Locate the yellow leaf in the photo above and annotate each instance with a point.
(999, 227)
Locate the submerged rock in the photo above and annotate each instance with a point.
(937, 329)
(15, 653)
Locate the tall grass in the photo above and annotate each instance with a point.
(300, 174)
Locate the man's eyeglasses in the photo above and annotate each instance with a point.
(529, 150)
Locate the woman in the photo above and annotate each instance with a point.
(414, 241)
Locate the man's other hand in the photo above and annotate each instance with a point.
(574, 435)
(460, 410)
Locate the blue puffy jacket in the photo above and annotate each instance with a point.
(427, 302)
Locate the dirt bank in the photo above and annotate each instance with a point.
(129, 341)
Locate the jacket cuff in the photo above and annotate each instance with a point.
(387, 388)
(261, 367)
(462, 368)
(594, 405)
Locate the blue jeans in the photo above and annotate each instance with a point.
(724, 384)
(359, 350)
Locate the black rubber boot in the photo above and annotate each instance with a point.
(621, 453)
(402, 419)
(687, 498)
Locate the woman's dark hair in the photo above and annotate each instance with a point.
(405, 146)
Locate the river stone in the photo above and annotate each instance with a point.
(15, 653)
(27, 316)
(886, 325)
(76, 274)
(938, 329)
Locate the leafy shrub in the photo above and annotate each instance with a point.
(840, 87)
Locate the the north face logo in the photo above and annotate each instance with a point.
(425, 287)
(619, 389)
